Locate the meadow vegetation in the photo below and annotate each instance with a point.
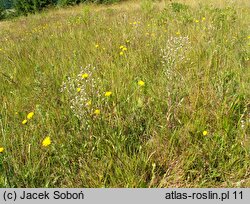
(135, 94)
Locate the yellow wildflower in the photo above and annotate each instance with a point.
(141, 83)
(96, 45)
(89, 103)
(85, 76)
(24, 122)
(124, 49)
(1, 149)
(127, 41)
(134, 23)
(121, 53)
(97, 112)
(196, 21)
(46, 142)
(204, 132)
(178, 33)
(30, 115)
(108, 93)
(121, 47)
(78, 89)
(203, 18)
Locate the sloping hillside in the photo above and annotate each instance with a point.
(135, 94)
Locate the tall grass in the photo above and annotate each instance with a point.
(178, 113)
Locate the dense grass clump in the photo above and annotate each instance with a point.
(137, 94)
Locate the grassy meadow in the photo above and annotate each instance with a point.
(134, 94)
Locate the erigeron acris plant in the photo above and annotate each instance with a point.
(82, 93)
(173, 54)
